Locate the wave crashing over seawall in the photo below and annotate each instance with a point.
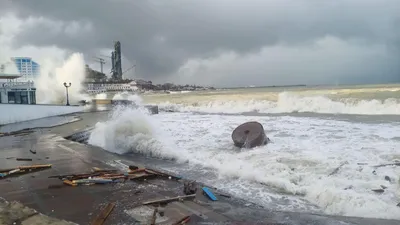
(295, 167)
(131, 129)
(287, 102)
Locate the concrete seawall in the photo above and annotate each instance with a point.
(13, 113)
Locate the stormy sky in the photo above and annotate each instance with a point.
(215, 42)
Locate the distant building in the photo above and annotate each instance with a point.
(28, 69)
(116, 69)
(15, 92)
(100, 87)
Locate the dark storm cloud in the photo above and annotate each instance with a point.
(161, 35)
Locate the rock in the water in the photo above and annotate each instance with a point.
(249, 135)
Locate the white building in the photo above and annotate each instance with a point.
(99, 87)
(27, 68)
(15, 92)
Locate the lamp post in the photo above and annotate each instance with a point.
(66, 87)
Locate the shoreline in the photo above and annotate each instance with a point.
(81, 204)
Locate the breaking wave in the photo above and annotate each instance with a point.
(287, 102)
(130, 129)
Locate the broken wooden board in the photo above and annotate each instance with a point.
(101, 218)
(22, 170)
(184, 220)
(168, 200)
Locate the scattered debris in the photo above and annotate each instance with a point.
(154, 217)
(32, 151)
(23, 159)
(388, 164)
(168, 200)
(133, 167)
(224, 195)
(19, 133)
(189, 188)
(337, 168)
(398, 205)
(349, 187)
(184, 220)
(101, 176)
(383, 187)
(249, 135)
(22, 170)
(388, 178)
(101, 218)
(378, 190)
(209, 194)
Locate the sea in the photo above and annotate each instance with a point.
(327, 144)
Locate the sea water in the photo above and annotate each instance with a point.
(326, 142)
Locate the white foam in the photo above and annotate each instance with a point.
(312, 147)
(298, 162)
(290, 102)
(130, 129)
(128, 96)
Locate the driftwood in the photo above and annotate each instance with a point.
(337, 169)
(24, 169)
(154, 217)
(184, 220)
(168, 200)
(388, 164)
(101, 218)
(23, 159)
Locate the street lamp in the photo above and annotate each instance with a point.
(66, 87)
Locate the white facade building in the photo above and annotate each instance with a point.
(99, 87)
(16, 92)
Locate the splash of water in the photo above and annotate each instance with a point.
(50, 84)
(130, 129)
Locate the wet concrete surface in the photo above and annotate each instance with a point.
(83, 203)
(39, 123)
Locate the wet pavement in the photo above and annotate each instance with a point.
(82, 204)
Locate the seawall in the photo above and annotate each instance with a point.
(13, 113)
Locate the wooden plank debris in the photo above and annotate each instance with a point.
(101, 176)
(23, 170)
(168, 200)
(23, 159)
(154, 217)
(101, 218)
(184, 220)
(337, 168)
(388, 164)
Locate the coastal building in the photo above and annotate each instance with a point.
(13, 91)
(27, 68)
(100, 87)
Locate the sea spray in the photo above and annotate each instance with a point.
(127, 96)
(132, 129)
(284, 102)
(101, 96)
(50, 84)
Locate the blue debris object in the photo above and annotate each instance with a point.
(210, 195)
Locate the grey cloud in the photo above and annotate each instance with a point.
(162, 35)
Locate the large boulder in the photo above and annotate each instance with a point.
(249, 135)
